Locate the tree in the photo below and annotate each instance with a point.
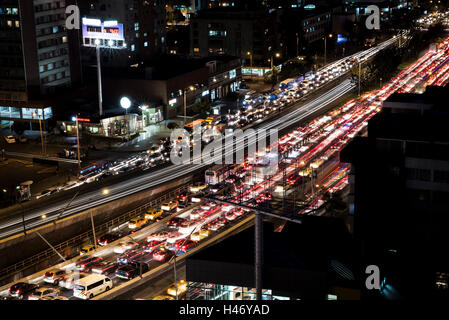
(19, 127)
(201, 107)
(334, 203)
(172, 125)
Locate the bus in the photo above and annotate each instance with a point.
(92, 285)
(189, 126)
(217, 174)
(287, 83)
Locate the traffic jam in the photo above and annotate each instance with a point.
(255, 109)
(190, 220)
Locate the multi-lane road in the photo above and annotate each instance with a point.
(33, 216)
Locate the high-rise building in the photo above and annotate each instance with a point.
(399, 186)
(143, 27)
(37, 56)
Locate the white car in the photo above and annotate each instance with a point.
(42, 292)
(10, 139)
(126, 245)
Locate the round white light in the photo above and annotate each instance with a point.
(97, 42)
(111, 43)
(125, 102)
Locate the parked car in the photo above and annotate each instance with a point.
(10, 139)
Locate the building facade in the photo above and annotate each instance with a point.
(38, 55)
(144, 28)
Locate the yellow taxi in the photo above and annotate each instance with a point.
(87, 249)
(197, 187)
(182, 288)
(169, 205)
(136, 222)
(152, 214)
(200, 235)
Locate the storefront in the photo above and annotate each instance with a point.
(152, 115)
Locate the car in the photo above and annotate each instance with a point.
(86, 249)
(154, 148)
(10, 139)
(174, 236)
(22, 289)
(175, 222)
(131, 270)
(137, 222)
(42, 292)
(183, 204)
(200, 235)
(162, 255)
(107, 238)
(159, 236)
(85, 262)
(238, 211)
(155, 157)
(124, 246)
(129, 255)
(46, 192)
(104, 267)
(69, 281)
(152, 214)
(54, 276)
(169, 205)
(185, 245)
(163, 297)
(179, 288)
(230, 215)
(198, 187)
(152, 245)
(54, 298)
(196, 213)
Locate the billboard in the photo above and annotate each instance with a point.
(106, 34)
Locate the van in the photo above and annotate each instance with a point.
(91, 286)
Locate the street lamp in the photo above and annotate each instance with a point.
(250, 58)
(325, 49)
(125, 103)
(40, 129)
(77, 140)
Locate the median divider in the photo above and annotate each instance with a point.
(96, 252)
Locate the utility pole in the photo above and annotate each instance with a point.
(78, 143)
(100, 90)
(93, 229)
(360, 73)
(185, 107)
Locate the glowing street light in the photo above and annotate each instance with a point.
(125, 103)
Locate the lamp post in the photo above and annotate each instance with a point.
(100, 89)
(250, 58)
(78, 142)
(125, 103)
(325, 49)
(40, 129)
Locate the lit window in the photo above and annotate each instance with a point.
(133, 47)
(196, 49)
(145, 44)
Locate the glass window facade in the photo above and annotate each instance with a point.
(210, 291)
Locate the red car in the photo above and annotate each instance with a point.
(85, 263)
(104, 267)
(162, 255)
(184, 245)
(175, 222)
(152, 245)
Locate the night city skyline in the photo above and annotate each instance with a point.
(202, 150)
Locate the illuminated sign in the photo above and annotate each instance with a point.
(80, 119)
(107, 34)
(172, 101)
(205, 93)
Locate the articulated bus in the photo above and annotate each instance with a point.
(216, 174)
(189, 126)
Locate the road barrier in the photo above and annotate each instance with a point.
(99, 230)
